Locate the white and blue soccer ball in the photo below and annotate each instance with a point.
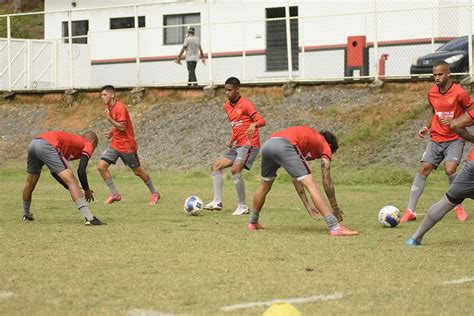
(389, 216)
(193, 205)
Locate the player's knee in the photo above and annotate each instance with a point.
(450, 170)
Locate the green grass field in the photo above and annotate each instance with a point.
(155, 260)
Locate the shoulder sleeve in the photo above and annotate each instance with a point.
(326, 151)
(88, 149)
(120, 113)
(464, 99)
(254, 115)
(186, 42)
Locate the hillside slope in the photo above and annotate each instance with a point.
(179, 130)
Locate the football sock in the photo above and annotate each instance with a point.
(110, 184)
(435, 214)
(217, 180)
(150, 186)
(26, 207)
(240, 186)
(451, 178)
(82, 206)
(254, 217)
(332, 222)
(416, 190)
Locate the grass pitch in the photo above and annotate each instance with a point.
(154, 260)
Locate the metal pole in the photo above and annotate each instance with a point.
(302, 47)
(9, 53)
(54, 72)
(376, 53)
(432, 30)
(69, 28)
(28, 65)
(244, 54)
(209, 54)
(469, 34)
(288, 41)
(137, 58)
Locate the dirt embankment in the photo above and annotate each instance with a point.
(179, 130)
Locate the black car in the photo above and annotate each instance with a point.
(454, 52)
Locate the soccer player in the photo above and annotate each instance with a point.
(447, 99)
(243, 143)
(291, 148)
(54, 149)
(122, 145)
(461, 188)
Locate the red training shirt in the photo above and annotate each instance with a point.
(122, 141)
(241, 115)
(72, 146)
(309, 142)
(451, 104)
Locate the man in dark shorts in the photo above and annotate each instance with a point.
(461, 188)
(447, 99)
(122, 145)
(291, 149)
(54, 149)
(243, 143)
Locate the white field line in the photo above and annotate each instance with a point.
(5, 295)
(150, 312)
(460, 281)
(335, 296)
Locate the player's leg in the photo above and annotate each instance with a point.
(131, 160)
(108, 158)
(462, 187)
(218, 165)
(430, 160)
(30, 185)
(191, 65)
(258, 202)
(245, 157)
(454, 153)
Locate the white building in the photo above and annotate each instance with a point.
(247, 39)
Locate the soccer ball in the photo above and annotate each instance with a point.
(193, 205)
(389, 216)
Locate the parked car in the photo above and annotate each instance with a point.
(454, 52)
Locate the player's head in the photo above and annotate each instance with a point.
(331, 139)
(232, 88)
(441, 73)
(92, 137)
(107, 94)
(191, 31)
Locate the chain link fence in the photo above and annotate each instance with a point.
(301, 41)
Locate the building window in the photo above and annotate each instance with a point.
(126, 23)
(176, 35)
(79, 31)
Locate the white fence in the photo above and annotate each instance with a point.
(256, 50)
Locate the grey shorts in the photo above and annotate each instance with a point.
(449, 151)
(111, 155)
(463, 185)
(40, 153)
(244, 154)
(278, 152)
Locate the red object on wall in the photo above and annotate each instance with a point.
(355, 51)
(382, 60)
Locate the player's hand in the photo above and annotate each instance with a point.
(178, 61)
(251, 131)
(339, 213)
(108, 135)
(446, 120)
(422, 132)
(230, 143)
(107, 113)
(314, 213)
(89, 195)
(203, 61)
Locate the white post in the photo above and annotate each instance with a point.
(69, 29)
(302, 28)
(28, 65)
(376, 53)
(54, 71)
(432, 30)
(469, 34)
(137, 58)
(288, 41)
(9, 53)
(244, 54)
(209, 52)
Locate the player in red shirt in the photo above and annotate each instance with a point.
(461, 188)
(54, 149)
(244, 144)
(291, 149)
(122, 145)
(447, 99)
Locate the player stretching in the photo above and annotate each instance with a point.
(447, 99)
(54, 149)
(291, 149)
(461, 188)
(244, 144)
(123, 145)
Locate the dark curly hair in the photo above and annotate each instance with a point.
(331, 139)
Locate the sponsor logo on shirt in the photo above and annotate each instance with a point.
(236, 123)
(445, 114)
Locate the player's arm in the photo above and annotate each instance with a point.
(203, 58)
(257, 121)
(329, 188)
(312, 211)
(118, 125)
(82, 174)
(424, 130)
(61, 182)
(181, 52)
(459, 126)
